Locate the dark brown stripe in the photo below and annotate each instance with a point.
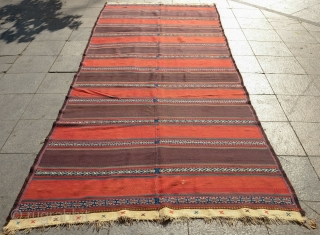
(146, 156)
(213, 155)
(158, 77)
(153, 29)
(127, 110)
(98, 158)
(100, 111)
(200, 50)
(106, 13)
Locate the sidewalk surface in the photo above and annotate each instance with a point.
(276, 46)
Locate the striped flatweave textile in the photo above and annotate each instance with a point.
(156, 126)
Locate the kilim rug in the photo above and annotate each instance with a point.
(156, 126)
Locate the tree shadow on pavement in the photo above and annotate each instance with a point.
(30, 17)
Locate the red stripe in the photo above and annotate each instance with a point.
(171, 8)
(156, 21)
(161, 39)
(157, 93)
(166, 63)
(161, 131)
(39, 189)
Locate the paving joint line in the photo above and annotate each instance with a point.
(278, 12)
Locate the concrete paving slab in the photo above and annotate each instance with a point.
(264, 35)
(287, 24)
(6, 62)
(12, 106)
(273, 15)
(309, 14)
(11, 180)
(12, 48)
(309, 135)
(248, 13)
(270, 48)
(310, 65)
(234, 35)
(4, 3)
(311, 27)
(267, 108)
(296, 109)
(96, 3)
(92, 12)
(287, 65)
(293, 84)
(20, 83)
(40, 12)
(22, 30)
(74, 48)
(291, 229)
(162, 1)
(200, 227)
(226, 13)
(72, 11)
(149, 228)
(43, 106)
(288, 8)
(27, 136)
(315, 161)
(282, 138)
(186, 2)
(230, 23)
(56, 83)
(4, 67)
(240, 5)
(304, 49)
(81, 34)
(247, 64)
(256, 84)
(221, 4)
(296, 36)
(6, 128)
(75, 4)
(8, 59)
(32, 64)
(44, 48)
(66, 63)
(316, 35)
(87, 22)
(261, 23)
(302, 176)
(312, 209)
(53, 34)
(240, 48)
(76, 230)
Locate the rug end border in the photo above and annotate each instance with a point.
(98, 220)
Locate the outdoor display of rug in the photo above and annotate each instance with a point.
(157, 126)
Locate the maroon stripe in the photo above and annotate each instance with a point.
(98, 158)
(146, 110)
(153, 29)
(107, 13)
(214, 155)
(145, 156)
(176, 50)
(158, 77)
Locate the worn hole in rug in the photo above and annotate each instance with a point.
(157, 126)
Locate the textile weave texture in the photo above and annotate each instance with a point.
(157, 125)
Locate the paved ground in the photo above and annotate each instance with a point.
(275, 43)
